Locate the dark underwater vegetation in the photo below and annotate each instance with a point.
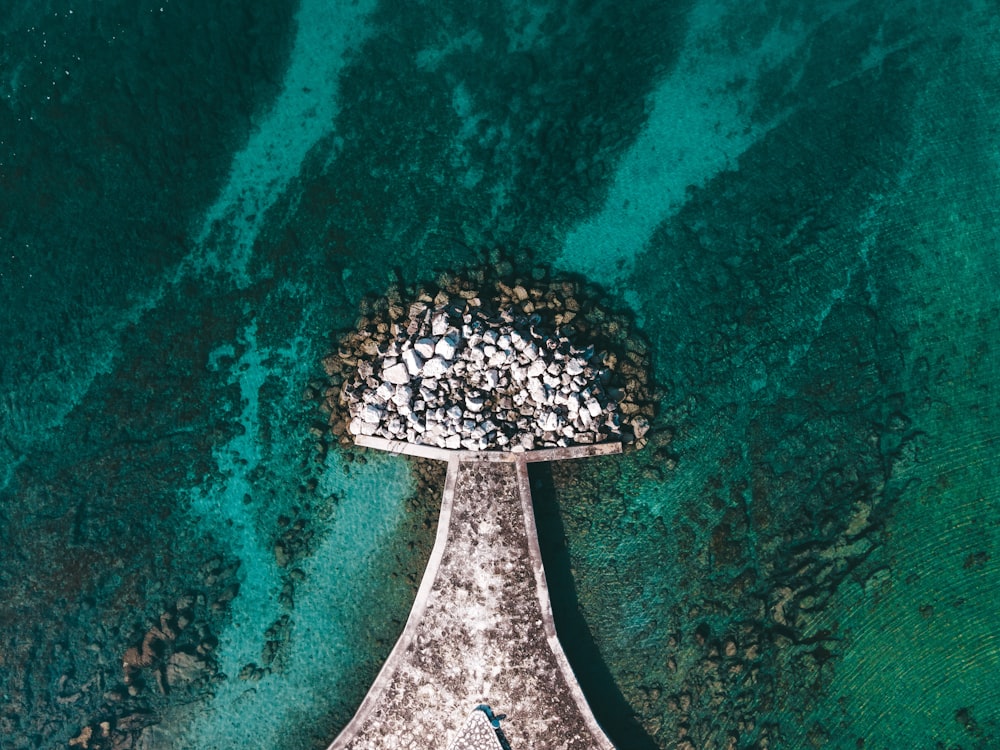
(797, 202)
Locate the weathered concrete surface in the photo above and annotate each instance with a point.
(480, 631)
(404, 448)
(477, 734)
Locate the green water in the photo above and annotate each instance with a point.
(798, 203)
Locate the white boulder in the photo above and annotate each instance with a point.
(474, 401)
(550, 422)
(396, 374)
(413, 361)
(536, 368)
(439, 323)
(435, 367)
(402, 395)
(372, 413)
(446, 347)
(425, 347)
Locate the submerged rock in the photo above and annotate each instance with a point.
(184, 668)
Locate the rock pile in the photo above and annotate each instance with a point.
(457, 376)
(464, 368)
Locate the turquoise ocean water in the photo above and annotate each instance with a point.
(797, 201)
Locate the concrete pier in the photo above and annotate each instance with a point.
(481, 629)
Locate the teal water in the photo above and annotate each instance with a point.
(797, 201)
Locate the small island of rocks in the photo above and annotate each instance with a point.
(501, 365)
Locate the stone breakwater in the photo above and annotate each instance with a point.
(458, 368)
(458, 377)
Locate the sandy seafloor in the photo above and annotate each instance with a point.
(797, 200)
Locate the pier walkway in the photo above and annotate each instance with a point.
(481, 631)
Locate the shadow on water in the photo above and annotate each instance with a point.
(607, 703)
